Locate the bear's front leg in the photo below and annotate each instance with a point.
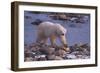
(53, 41)
(65, 45)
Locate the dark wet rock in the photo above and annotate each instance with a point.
(28, 17)
(37, 22)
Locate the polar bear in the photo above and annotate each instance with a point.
(52, 31)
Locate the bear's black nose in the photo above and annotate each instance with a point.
(62, 34)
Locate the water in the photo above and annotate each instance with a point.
(76, 32)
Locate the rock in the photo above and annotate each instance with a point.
(38, 53)
(41, 58)
(35, 59)
(72, 49)
(28, 53)
(43, 52)
(60, 53)
(79, 49)
(47, 51)
(36, 22)
(67, 49)
(62, 16)
(79, 56)
(29, 59)
(59, 17)
(71, 56)
(77, 53)
(83, 57)
(51, 57)
(28, 17)
(34, 49)
(58, 58)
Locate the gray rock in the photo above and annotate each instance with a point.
(60, 53)
(28, 53)
(86, 52)
(29, 59)
(51, 57)
(33, 49)
(47, 51)
(42, 59)
(58, 58)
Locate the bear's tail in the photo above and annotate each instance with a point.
(37, 22)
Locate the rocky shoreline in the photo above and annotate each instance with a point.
(44, 52)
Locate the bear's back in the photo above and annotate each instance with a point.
(47, 28)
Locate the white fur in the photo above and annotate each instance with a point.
(50, 28)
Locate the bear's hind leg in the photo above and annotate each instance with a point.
(41, 39)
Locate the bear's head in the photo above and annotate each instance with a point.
(61, 32)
